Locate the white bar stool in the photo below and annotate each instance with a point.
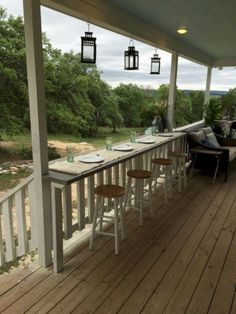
(109, 191)
(138, 190)
(178, 166)
(162, 169)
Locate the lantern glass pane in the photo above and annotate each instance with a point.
(88, 52)
(155, 67)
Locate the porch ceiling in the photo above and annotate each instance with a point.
(211, 38)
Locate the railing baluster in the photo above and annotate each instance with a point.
(67, 211)
(21, 222)
(116, 174)
(8, 230)
(81, 204)
(90, 198)
(33, 223)
(2, 256)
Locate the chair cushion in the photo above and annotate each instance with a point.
(232, 152)
(207, 130)
(197, 136)
(210, 135)
(207, 143)
(212, 138)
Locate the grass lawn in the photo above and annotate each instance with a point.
(21, 143)
(24, 140)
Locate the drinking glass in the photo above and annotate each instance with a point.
(70, 153)
(133, 137)
(109, 143)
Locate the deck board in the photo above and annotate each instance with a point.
(183, 260)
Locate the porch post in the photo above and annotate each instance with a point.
(172, 90)
(34, 56)
(208, 86)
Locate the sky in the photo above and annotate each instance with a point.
(64, 33)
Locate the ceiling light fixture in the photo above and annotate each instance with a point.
(182, 30)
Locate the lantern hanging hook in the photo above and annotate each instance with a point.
(88, 27)
(131, 42)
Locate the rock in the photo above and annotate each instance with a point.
(14, 169)
(13, 172)
(4, 171)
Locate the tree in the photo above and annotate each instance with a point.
(131, 101)
(197, 101)
(13, 84)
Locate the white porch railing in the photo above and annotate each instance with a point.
(18, 230)
(66, 219)
(17, 221)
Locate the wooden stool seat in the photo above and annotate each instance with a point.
(162, 161)
(109, 190)
(177, 154)
(179, 170)
(102, 192)
(139, 174)
(162, 169)
(138, 190)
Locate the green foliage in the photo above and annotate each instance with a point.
(213, 111)
(26, 153)
(229, 104)
(131, 101)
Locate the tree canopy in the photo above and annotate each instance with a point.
(78, 101)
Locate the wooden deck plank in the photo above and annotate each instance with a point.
(164, 249)
(74, 296)
(180, 261)
(120, 271)
(167, 286)
(203, 293)
(103, 289)
(221, 302)
(142, 293)
(186, 287)
(46, 288)
(80, 263)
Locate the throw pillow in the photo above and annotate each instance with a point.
(212, 138)
(207, 143)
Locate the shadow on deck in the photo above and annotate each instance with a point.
(183, 260)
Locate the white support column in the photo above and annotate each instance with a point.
(172, 90)
(34, 54)
(208, 86)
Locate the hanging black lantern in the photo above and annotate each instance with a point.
(155, 64)
(131, 58)
(88, 48)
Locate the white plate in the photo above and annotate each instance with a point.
(124, 148)
(165, 134)
(91, 158)
(146, 141)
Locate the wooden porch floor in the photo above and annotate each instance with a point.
(182, 261)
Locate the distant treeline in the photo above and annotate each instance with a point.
(77, 99)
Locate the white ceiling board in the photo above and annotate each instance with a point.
(211, 38)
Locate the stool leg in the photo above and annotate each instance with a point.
(150, 197)
(128, 190)
(116, 227)
(101, 204)
(121, 219)
(169, 171)
(92, 235)
(166, 185)
(140, 192)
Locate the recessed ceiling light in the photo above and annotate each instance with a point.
(182, 30)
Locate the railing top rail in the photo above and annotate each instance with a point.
(17, 188)
(66, 178)
(191, 126)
